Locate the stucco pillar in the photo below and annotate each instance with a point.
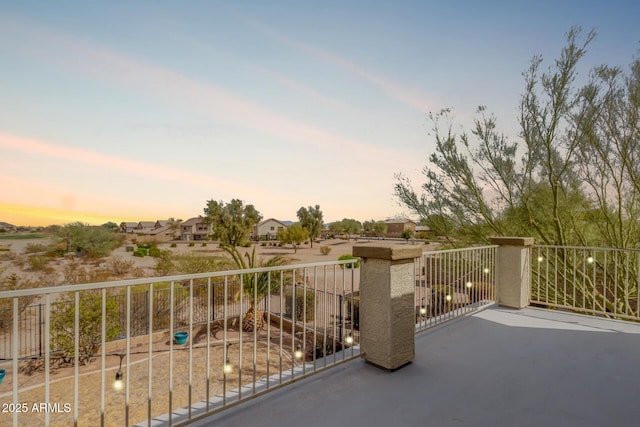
(387, 304)
(513, 271)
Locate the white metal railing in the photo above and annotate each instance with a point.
(308, 312)
(590, 280)
(452, 283)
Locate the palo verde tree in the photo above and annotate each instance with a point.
(571, 178)
(481, 183)
(311, 220)
(293, 235)
(233, 222)
(84, 239)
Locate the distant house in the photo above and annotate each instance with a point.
(268, 229)
(128, 227)
(397, 226)
(145, 226)
(195, 229)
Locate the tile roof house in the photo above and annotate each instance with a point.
(396, 226)
(195, 229)
(268, 229)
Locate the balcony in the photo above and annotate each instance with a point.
(475, 363)
(497, 367)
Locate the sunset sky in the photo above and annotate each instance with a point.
(144, 110)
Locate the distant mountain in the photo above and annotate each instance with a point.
(287, 223)
(6, 225)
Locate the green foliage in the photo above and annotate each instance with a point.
(90, 324)
(39, 263)
(311, 220)
(174, 245)
(154, 251)
(192, 263)
(232, 223)
(120, 266)
(348, 226)
(570, 179)
(356, 264)
(256, 285)
(141, 252)
(407, 234)
(86, 240)
(374, 228)
(293, 235)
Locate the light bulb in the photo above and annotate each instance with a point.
(448, 297)
(590, 260)
(228, 367)
(540, 259)
(118, 384)
(469, 284)
(298, 353)
(423, 310)
(349, 339)
(486, 270)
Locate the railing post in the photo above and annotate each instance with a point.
(513, 271)
(387, 304)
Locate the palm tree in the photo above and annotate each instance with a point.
(256, 286)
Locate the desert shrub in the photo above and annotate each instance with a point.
(90, 330)
(165, 265)
(204, 244)
(92, 241)
(191, 244)
(174, 245)
(325, 250)
(74, 273)
(38, 263)
(120, 266)
(191, 263)
(356, 264)
(154, 251)
(246, 245)
(300, 307)
(140, 252)
(33, 248)
(9, 283)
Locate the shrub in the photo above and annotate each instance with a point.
(356, 264)
(174, 245)
(90, 306)
(154, 251)
(140, 252)
(33, 248)
(38, 263)
(204, 244)
(119, 266)
(300, 304)
(325, 250)
(246, 245)
(191, 244)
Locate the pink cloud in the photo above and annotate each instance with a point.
(406, 95)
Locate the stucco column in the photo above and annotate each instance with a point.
(513, 271)
(387, 304)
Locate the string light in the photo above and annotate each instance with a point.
(118, 384)
(349, 339)
(469, 285)
(298, 353)
(227, 368)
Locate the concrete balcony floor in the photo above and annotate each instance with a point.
(498, 367)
